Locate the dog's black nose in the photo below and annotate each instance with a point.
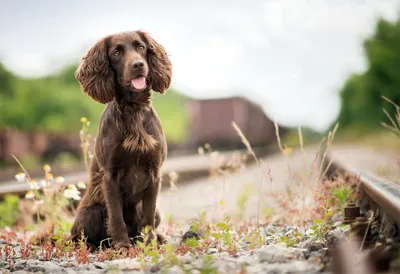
(137, 64)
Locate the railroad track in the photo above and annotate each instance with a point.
(375, 217)
(188, 168)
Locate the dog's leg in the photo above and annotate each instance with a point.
(116, 225)
(91, 221)
(133, 227)
(149, 201)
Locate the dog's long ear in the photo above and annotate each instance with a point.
(94, 74)
(160, 67)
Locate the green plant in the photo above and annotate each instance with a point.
(291, 240)
(226, 234)
(343, 193)
(85, 141)
(9, 210)
(321, 227)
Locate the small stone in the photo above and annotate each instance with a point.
(223, 254)
(319, 253)
(245, 260)
(190, 235)
(291, 267)
(19, 265)
(175, 270)
(309, 246)
(100, 265)
(36, 268)
(335, 235)
(186, 259)
(52, 267)
(91, 267)
(212, 250)
(271, 255)
(125, 264)
(155, 268)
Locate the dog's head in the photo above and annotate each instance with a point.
(132, 61)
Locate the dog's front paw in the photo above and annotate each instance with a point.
(122, 244)
(161, 239)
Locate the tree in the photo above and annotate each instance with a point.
(361, 94)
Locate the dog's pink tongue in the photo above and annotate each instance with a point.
(139, 83)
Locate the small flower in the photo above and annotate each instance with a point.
(20, 177)
(47, 168)
(43, 183)
(34, 185)
(81, 185)
(72, 188)
(200, 150)
(72, 193)
(49, 177)
(173, 176)
(83, 120)
(29, 195)
(60, 179)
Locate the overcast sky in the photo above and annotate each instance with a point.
(290, 56)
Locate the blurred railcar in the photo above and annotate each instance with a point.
(210, 122)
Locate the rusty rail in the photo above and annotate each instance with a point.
(382, 191)
(382, 197)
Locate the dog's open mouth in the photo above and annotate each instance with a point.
(139, 83)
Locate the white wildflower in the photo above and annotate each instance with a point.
(173, 176)
(60, 179)
(20, 177)
(47, 168)
(72, 193)
(49, 177)
(34, 185)
(43, 183)
(200, 150)
(29, 195)
(81, 185)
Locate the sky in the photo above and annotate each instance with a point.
(289, 56)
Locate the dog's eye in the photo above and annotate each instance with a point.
(117, 53)
(140, 47)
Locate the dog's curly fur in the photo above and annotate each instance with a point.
(130, 146)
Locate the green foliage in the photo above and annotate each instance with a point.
(343, 193)
(9, 210)
(55, 103)
(361, 94)
(170, 108)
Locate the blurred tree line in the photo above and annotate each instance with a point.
(361, 101)
(55, 103)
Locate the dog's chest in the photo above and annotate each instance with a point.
(140, 134)
(135, 183)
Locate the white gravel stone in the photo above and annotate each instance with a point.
(272, 254)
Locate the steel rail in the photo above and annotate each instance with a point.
(382, 191)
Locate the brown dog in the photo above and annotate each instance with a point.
(121, 70)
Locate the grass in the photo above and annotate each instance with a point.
(311, 206)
